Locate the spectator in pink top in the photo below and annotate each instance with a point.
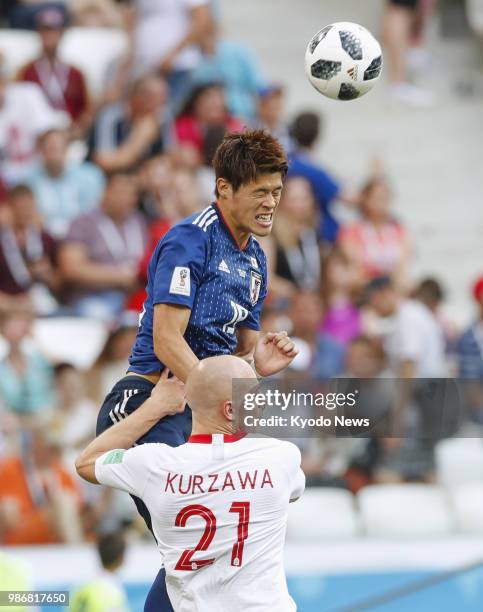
(205, 109)
(377, 244)
(342, 319)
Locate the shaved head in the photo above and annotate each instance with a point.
(209, 384)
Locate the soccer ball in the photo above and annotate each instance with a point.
(343, 61)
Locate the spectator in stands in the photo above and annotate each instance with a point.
(96, 13)
(155, 185)
(415, 345)
(377, 244)
(113, 360)
(101, 254)
(25, 114)
(22, 13)
(166, 39)
(293, 249)
(204, 109)
(305, 131)
(105, 593)
(402, 20)
(470, 359)
(342, 319)
(326, 358)
(415, 349)
(63, 190)
(25, 375)
(39, 499)
(28, 256)
(234, 66)
(125, 134)
(270, 113)
(63, 85)
(74, 417)
(470, 345)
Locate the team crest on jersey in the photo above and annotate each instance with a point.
(255, 286)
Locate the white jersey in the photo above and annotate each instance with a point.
(218, 507)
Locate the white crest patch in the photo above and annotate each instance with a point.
(255, 286)
(180, 281)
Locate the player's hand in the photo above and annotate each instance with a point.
(273, 352)
(169, 395)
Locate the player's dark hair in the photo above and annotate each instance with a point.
(18, 191)
(305, 129)
(242, 156)
(111, 548)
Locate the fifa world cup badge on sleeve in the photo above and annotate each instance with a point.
(180, 281)
(255, 285)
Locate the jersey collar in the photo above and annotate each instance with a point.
(229, 230)
(207, 438)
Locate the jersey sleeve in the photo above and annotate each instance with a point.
(296, 477)
(253, 319)
(180, 266)
(127, 470)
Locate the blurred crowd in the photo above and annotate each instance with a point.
(90, 182)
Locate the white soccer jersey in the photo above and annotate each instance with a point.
(218, 507)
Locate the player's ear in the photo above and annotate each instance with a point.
(227, 410)
(224, 188)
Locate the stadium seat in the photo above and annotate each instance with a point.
(73, 339)
(17, 47)
(322, 513)
(406, 510)
(467, 502)
(459, 461)
(91, 49)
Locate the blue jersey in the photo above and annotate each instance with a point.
(199, 264)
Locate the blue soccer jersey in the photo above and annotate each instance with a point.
(199, 264)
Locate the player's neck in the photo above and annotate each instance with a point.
(200, 428)
(240, 236)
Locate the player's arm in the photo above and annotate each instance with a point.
(169, 325)
(246, 341)
(167, 398)
(181, 262)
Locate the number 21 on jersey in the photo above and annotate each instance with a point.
(186, 561)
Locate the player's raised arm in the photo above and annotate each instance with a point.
(167, 398)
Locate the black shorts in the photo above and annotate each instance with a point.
(126, 396)
(412, 4)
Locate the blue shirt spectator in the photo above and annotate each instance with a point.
(235, 67)
(470, 345)
(304, 132)
(63, 191)
(26, 380)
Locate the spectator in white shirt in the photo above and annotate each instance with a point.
(24, 114)
(166, 36)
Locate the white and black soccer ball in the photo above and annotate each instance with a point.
(343, 61)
